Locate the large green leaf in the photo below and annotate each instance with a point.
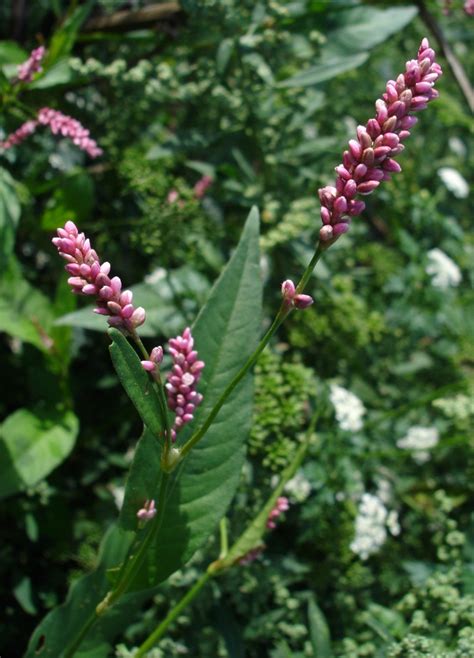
(362, 28)
(319, 631)
(24, 311)
(32, 445)
(9, 216)
(226, 332)
(324, 71)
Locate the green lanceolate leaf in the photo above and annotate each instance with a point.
(135, 381)
(9, 216)
(226, 332)
(32, 445)
(318, 631)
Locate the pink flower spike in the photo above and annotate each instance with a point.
(31, 66)
(282, 505)
(147, 512)
(66, 126)
(24, 131)
(90, 277)
(202, 186)
(183, 379)
(370, 158)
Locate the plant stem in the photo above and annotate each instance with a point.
(161, 629)
(136, 562)
(278, 320)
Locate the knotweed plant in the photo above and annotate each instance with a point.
(194, 395)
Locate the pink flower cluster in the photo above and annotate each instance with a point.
(370, 158)
(91, 277)
(282, 505)
(58, 123)
(202, 186)
(469, 7)
(66, 126)
(19, 135)
(31, 66)
(300, 301)
(148, 511)
(182, 380)
(156, 357)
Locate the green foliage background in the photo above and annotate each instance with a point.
(262, 97)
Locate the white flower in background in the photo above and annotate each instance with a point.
(349, 409)
(384, 490)
(444, 271)
(393, 524)
(419, 440)
(455, 183)
(298, 488)
(118, 494)
(370, 530)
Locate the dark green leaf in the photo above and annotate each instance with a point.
(73, 198)
(9, 216)
(319, 631)
(225, 335)
(24, 311)
(11, 53)
(136, 382)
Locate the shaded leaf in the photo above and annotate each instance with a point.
(319, 631)
(9, 216)
(324, 71)
(32, 445)
(137, 384)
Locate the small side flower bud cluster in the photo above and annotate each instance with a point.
(66, 126)
(91, 277)
(282, 505)
(31, 66)
(147, 512)
(299, 301)
(182, 380)
(156, 357)
(24, 131)
(370, 158)
(251, 556)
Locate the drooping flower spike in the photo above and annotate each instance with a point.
(59, 124)
(183, 379)
(91, 277)
(370, 158)
(31, 66)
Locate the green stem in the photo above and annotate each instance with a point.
(279, 318)
(223, 537)
(161, 629)
(136, 562)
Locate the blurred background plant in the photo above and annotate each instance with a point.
(258, 99)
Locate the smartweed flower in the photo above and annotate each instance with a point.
(91, 277)
(370, 158)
